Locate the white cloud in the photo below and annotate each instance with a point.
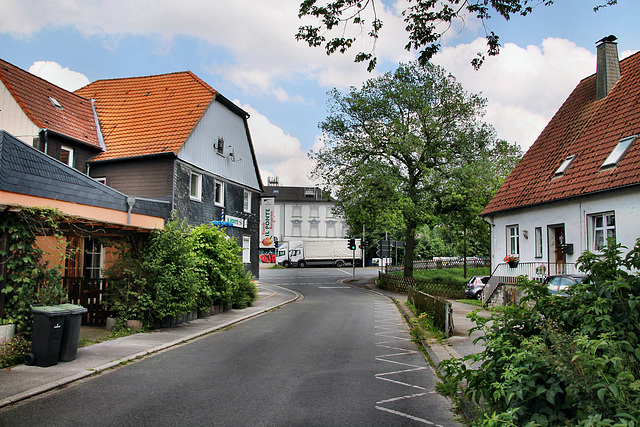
(524, 86)
(59, 76)
(279, 154)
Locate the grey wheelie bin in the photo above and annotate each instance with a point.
(71, 332)
(48, 325)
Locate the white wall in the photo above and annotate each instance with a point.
(284, 214)
(14, 120)
(574, 216)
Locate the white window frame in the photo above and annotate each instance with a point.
(296, 211)
(597, 244)
(565, 164)
(246, 249)
(513, 239)
(219, 196)
(101, 180)
(195, 189)
(538, 241)
(247, 201)
(70, 157)
(296, 228)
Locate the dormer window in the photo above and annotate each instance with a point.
(565, 164)
(618, 152)
(55, 103)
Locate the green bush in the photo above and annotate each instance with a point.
(563, 361)
(12, 352)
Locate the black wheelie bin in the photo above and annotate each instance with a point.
(71, 332)
(48, 325)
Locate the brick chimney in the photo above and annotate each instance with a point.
(608, 66)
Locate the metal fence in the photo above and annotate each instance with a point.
(438, 308)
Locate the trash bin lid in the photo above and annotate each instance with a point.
(49, 310)
(72, 308)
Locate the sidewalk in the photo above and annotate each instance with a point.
(22, 382)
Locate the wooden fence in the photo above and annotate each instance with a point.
(88, 293)
(438, 308)
(396, 283)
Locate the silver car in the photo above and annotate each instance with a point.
(475, 286)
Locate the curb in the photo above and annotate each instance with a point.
(115, 363)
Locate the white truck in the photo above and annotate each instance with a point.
(301, 253)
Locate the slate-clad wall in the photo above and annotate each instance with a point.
(81, 153)
(205, 211)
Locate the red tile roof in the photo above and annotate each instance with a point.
(588, 129)
(75, 119)
(148, 115)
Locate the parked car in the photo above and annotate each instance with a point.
(560, 283)
(475, 286)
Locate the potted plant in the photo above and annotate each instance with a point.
(512, 260)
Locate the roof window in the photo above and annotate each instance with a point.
(619, 151)
(563, 167)
(55, 103)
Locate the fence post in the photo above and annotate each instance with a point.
(447, 307)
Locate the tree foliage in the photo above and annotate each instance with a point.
(563, 361)
(392, 146)
(426, 22)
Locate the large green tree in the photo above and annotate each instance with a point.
(392, 145)
(427, 21)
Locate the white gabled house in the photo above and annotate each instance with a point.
(579, 183)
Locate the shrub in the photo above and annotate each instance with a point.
(563, 361)
(12, 352)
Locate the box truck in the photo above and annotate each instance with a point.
(301, 253)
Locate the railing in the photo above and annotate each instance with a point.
(436, 264)
(504, 273)
(438, 308)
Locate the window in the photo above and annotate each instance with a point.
(246, 249)
(603, 227)
(66, 155)
(220, 146)
(314, 229)
(619, 151)
(195, 190)
(297, 212)
(247, 201)
(314, 212)
(219, 200)
(92, 259)
(101, 180)
(513, 240)
(538, 242)
(296, 228)
(563, 167)
(331, 229)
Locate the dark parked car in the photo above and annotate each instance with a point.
(475, 286)
(559, 284)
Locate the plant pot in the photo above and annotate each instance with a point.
(7, 332)
(513, 264)
(136, 325)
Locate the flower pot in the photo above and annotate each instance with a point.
(7, 332)
(513, 264)
(136, 325)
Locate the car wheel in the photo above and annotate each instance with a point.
(302, 264)
(479, 295)
(339, 263)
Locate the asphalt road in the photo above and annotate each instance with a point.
(340, 356)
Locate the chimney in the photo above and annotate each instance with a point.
(608, 66)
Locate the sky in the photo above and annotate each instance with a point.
(246, 50)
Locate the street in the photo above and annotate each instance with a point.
(338, 356)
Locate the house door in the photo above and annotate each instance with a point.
(557, 258)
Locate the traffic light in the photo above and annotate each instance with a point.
(352, 244)
(363, 244)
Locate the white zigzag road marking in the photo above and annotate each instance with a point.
(395, 332)
(411, 417)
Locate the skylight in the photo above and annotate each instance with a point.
(565, 164)
(55, 103)
(619, 151)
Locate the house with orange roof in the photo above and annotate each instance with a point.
(579, 183)
(173, 137)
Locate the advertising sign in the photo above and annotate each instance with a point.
(267, 226)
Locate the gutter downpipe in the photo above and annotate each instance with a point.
(131, 201)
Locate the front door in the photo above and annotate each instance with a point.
(557, 258)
